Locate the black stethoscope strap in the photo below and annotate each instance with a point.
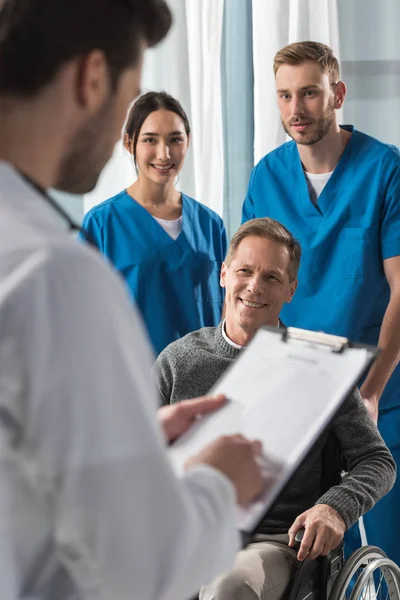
(72, 225)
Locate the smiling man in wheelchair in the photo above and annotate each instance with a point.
(259, 275)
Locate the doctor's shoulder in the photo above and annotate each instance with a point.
(85, 268)
(81, 288)
(71, 277)
(64, 285)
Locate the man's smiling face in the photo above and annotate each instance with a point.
(257, 284)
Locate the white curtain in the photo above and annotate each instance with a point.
(275, 24)
(186, 65)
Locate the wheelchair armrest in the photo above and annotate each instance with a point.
(299, 536)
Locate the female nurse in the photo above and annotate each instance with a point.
(167, 246)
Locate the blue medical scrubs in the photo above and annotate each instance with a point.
(175, 283)
(342, 289)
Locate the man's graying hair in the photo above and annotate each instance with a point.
(271, 230)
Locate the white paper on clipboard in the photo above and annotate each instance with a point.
(283, 392)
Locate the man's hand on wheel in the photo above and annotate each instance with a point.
(324, 529)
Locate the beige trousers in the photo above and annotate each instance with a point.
(261, 571)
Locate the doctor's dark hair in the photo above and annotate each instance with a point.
(268, 229)
(37, 37)
(142, 108)
(300, 52)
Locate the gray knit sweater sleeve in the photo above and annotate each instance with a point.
(190, 366)
(371, 468)
(164, 373)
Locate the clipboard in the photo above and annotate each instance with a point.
(284, 389)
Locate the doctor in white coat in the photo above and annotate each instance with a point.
(90, 507)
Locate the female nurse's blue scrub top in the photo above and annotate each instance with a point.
(345, 237)
(175, 283)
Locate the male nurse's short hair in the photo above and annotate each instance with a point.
(269, 229)
(300, 52)
(37, 37)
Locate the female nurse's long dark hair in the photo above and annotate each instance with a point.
(143, 107)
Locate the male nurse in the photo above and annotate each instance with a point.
(338, 191)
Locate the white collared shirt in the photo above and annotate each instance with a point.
(89, 504)
(229, 341)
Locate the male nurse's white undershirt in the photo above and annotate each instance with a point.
(316, 183)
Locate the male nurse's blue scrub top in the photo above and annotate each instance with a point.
(175, 283)
(345, 237)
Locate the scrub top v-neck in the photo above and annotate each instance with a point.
(175, 283)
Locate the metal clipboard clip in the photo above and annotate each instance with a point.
(315, 338)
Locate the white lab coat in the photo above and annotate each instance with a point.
(89, 505)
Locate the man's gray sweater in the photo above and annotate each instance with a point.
(189, 367)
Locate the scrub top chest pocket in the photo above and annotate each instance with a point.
(359, 251)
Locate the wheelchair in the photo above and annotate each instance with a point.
(368, 574)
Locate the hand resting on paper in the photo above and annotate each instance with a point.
(238, 459)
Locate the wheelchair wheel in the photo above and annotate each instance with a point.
(368, 574)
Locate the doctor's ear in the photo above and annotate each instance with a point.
(92, 80)
(340, 90)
